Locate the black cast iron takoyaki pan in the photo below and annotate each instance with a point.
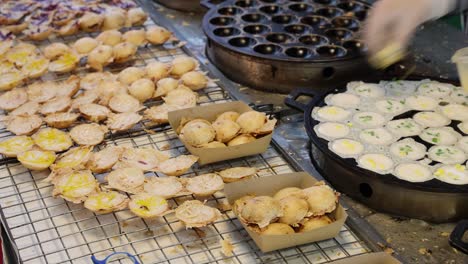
(280, 45)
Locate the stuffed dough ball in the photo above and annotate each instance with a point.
(130, 75)
(197, 132)
(157, 35)
(226, 130)
(251, 121)
(182, 65)
(85, 45)
(195, 80)
(142, 89)
(100, 57)
(260, 210)
(110, 37)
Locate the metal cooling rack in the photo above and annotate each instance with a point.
(44, 229)
(146, 54)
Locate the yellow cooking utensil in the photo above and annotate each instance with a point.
(389, 55)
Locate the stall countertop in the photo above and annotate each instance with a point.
(415, 241)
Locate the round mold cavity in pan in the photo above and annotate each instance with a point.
(256, 29)
(242, 42)
(267, 49)
(331, 51)
(270, 9)
(346, 22)
(229, 11)
(325, 2)
(253, 17)
(315, 21)
(351, 6)
(279, 38)
(226, 31)
(355, 47)
(313, 40)
(222, 21)
(301, 7)
(297, 29)
(245, 3)
(298, 52)
(329, 12)
(282, 19)
(338, 34)
(361, 15)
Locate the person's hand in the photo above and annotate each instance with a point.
(393, 22)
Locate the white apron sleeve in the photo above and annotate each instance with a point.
(442, 7)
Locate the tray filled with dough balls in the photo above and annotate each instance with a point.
(285, 210)
(223, 131)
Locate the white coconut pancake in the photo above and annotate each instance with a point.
(440, 136)
(362, 124)
(343, 100)
(447, 155)
(431, 119)
(459, 96)
(435, 89)
(453, 174)
(390, 106)
(413, 172)
(368, 119)
(376, 162)
(399, 88)
(376, 136)
(421, 103)
(408, 149)
(331, 113)
(331, 130)
(404, 127)
(346, 148)
(463, 144)
(370, 90)
(463, 126)
(455, 112)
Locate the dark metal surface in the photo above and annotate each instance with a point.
(281, 76)
(183, 5)
(433, 200)
(281, 45)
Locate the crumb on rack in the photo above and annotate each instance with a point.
(224, 206)
(226, 247)
(151, 132)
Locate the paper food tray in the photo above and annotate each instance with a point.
(269, 186)
(210, 112)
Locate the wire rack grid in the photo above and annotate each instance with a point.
(146, 54)
(45, 229)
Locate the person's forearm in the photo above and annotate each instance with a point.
(391, 23)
